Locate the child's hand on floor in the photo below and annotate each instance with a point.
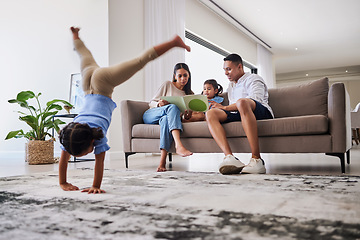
(93, 190)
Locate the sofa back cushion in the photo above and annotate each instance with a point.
(305, 99)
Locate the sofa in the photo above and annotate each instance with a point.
(355, 124)
(309, 118)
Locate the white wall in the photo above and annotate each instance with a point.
(349, 75)
(126, 41)
(36, 53)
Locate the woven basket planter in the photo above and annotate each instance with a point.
(39, 152)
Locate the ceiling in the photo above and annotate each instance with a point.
(302, 35)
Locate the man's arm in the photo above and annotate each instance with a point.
(257, 89)
(98, 174)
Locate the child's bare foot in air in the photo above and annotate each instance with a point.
(182, 151)
(75, 32)
(180, 43)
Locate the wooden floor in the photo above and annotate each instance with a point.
(312, 164)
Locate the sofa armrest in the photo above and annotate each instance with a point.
(131, 114)
(339, 118)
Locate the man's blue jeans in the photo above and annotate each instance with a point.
(168, 117)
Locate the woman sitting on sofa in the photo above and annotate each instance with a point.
(168, 116)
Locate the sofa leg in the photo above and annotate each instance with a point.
(127, 154)
(348, 156)
(170, 160)
(342, 159)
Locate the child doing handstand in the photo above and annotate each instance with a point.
(88, 130)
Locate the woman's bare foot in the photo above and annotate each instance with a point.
(180, 43)
(161, 169)
(75, 32)
(182, 151)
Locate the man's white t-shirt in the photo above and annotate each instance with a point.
(249, 86)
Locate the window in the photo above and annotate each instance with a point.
(206, 62)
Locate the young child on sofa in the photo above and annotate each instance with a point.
(87, 132)
(211, 90)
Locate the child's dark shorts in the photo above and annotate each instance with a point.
(260, 113)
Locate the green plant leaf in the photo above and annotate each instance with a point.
(14, 134)
(13, 101)
(22, 103)
(25, 95)
(55, 125)
(30, 120)
(58, 122)
(56, 106)
(19, 112)
(58, 100)
(44, 115)
(31, 135)
(49, 123)
(17, 101)
(32, 108)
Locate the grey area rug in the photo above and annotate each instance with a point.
(181, 205)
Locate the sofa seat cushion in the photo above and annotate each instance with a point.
(304, 125)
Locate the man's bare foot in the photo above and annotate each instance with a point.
(180, 43)
(161, 169)
(182, 151)
(75, 32)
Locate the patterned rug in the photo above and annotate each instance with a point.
(181, 205)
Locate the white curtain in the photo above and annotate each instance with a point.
(163, 20)
(265, 66)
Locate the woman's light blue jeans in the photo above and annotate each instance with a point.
(168, 117)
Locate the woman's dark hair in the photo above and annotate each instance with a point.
(187, 87)
(216, 85)
(76, 137)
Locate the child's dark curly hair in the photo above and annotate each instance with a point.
(76, 137)
(216, 85)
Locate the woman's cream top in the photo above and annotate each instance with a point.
(166, 89)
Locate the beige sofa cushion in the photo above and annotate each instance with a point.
(307, 99)
(305, 125)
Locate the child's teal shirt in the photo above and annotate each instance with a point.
(217, 99)
(96, 112)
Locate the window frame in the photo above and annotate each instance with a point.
(199, 40)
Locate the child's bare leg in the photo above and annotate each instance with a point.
(106, 79)
(180, 149)
(75, 32)
(87, 62)
(162, 165)
(166, 46)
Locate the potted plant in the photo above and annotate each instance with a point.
(38, 149)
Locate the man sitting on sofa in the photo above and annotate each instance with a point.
(248, 102)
